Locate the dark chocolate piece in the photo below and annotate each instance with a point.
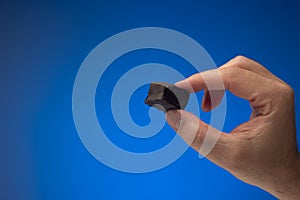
(166, 96)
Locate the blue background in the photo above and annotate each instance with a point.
(42, 45)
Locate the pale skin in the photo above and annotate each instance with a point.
(263, 151)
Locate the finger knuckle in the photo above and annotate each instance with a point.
(232, 71)
(240, 59)
(290, 91)
(287, 91)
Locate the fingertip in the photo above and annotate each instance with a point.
(181, 121)
(212, 99)
(184, 84)
(193, 84)
(173, 118)
(206, 108)
(206, 102)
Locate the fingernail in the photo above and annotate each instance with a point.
(181, 84)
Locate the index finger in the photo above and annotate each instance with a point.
(242, 83)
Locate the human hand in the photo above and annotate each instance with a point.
(263, 151)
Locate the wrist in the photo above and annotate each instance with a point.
(288, 185)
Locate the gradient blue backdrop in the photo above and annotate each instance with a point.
(42, 45)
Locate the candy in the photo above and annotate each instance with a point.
(166, 96)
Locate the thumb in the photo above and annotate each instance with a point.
(205, 139)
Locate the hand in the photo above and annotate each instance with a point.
(263, 151)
